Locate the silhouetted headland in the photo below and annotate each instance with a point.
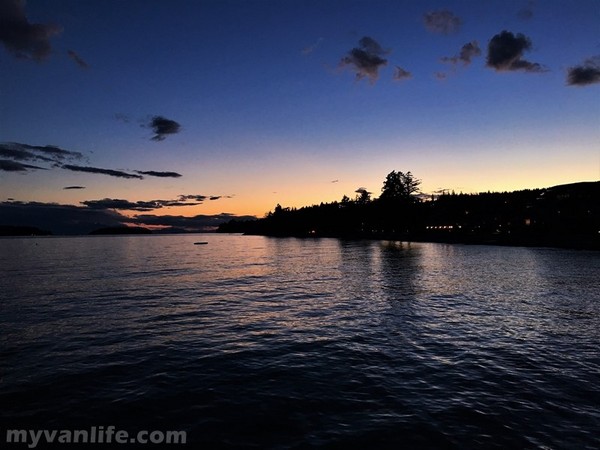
(565, 216)
(9, 230)
(121, 230)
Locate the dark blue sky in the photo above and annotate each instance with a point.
(268, 102)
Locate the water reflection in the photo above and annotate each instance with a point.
(400, 269)
(328, 339)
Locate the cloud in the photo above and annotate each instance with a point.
(198, 198)
(121, 117)
(505, 53)
(401, 74)
(110, 172)
(152, 173)
(366, 59)
(442, 22)
(20, 37)
(441, 76)
(527, 12)
(163, 127)
(468, 51)
(584, 74)
(311, 48)
(47, 153)
(194, 223)
(7, 165)
(149, 205)
(74, 187)
(113, 203)
(78, 59)
(16, 152)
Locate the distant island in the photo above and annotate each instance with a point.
(121, 230)
(10, 230)
(561, 216)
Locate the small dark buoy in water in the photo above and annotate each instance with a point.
(200, 243)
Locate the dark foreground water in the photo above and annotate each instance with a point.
(251, 342)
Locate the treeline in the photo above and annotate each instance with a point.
(563, 216)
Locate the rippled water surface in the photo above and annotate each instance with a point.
(253, 342)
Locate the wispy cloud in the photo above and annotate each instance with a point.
(7, 165)
(121, 117)
(26, 152)
(442, 22)
(98, 170)
(586, 73)
(74, 187)
(78, 59)
(152, 173)
(311, 48)
(506, 50)
(163, 127)
(15, 152)
(366, 59)
(526, 13)
(440, 76)
(401, 74)
(20, 37)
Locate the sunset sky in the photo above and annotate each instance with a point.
(213, 109)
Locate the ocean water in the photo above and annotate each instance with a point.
(255, 342)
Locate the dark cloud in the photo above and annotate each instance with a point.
(441, 76)
(26, 152)
(366, 59)
(74, 187)
(152, 173)
(218, 197)
(195, 223)
(113, 203)
(585, 74)
(78, 59)
(468, 51)
(149, 205)
(110, 172)
(20, 37)
(401, 74)
(505, 53)
(443, 21)
(163, 127)
(7, 165)
(198, 198)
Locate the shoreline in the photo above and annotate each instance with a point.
(559, 242)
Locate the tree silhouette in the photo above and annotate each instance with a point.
(399, 185)
(363, 196)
